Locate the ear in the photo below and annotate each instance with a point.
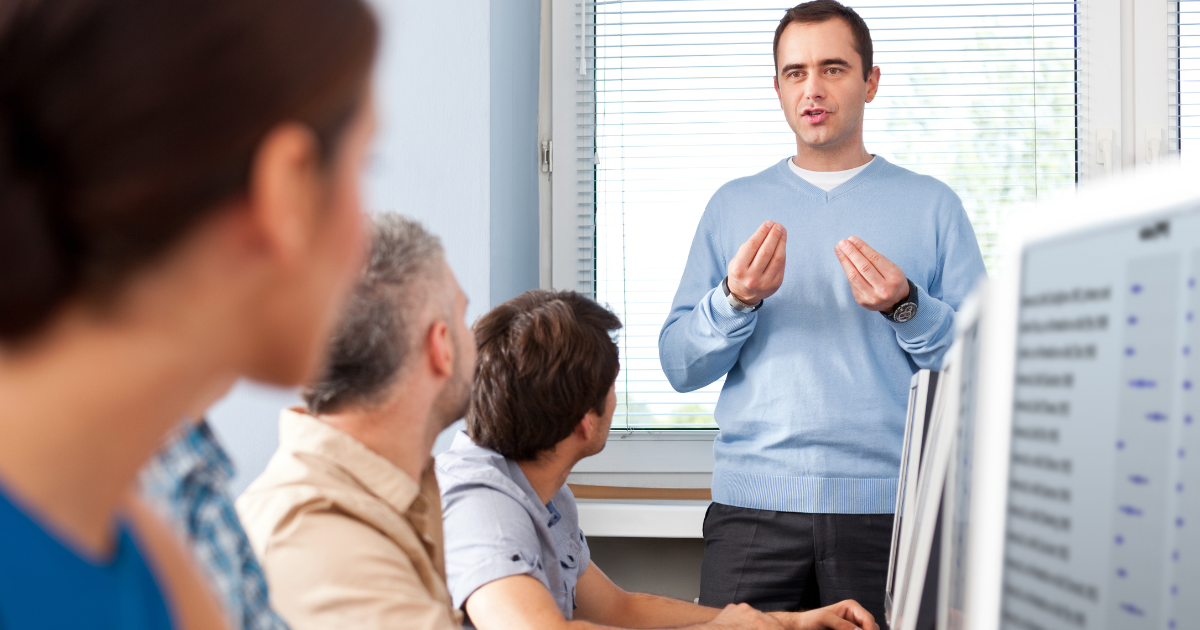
(283, 192)
(587, 427)
(440, 349)
(777, 94)
(873, 83)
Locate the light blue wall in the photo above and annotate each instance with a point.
(456, 92)
(514, 54)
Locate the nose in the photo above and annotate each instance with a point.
(814, 88)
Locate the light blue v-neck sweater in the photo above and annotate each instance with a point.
(812, 410)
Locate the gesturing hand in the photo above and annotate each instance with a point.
(878, 284)
(756, 271)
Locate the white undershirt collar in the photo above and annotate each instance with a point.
(827, 180)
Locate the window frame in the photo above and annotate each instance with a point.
(1122, 105)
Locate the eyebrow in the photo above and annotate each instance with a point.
(825, 63)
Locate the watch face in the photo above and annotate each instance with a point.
(904, 312)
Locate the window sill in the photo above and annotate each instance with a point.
(632, 518)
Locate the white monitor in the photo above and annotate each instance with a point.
(916, 591)
(1085, 490)
(920, 406)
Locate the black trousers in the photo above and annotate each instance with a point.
(794, 561)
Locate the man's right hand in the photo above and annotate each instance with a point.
(742, 617)
(756, 271)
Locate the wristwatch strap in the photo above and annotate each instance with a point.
(737, 304)
(908, 313)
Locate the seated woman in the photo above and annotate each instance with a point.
(178, 209)
(515, 557)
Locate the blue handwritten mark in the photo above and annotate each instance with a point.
(1121, 573)
(1182, 453)
(1187, 419)
(1171, 624)
(1132, 320)
(1139, 480)
(1120, 540)
(1187, 351)
(1142, 383)
(1120, 445)
(1187, 385)
(1155, 416)
(1190, 316)
(1133, 610)
(1129, 351)
(1130, 510)
(1175, 556)
(1179, 487)
(1174, 589)
(1179, 521)
(1137, 288)
(1191, 283)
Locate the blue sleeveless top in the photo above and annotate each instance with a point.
(45, 584)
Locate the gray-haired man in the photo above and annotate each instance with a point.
(346, 519)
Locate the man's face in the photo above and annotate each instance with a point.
(455, 396)
(820, 84)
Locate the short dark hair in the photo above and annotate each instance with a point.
(124, 123)
(545, 359)
(819, 11)
(377, 333)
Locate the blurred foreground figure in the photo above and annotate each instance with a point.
(346, 518)
(178, 209)
(187, 484)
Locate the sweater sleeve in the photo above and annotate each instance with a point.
(703, 334)
(928, 335)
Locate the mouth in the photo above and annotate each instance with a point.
(814, 115)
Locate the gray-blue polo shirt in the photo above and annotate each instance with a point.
(496, 527)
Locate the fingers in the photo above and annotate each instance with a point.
(776, 237)
(756, 271)
(881, 263)
(868, 270)
(857, 283)
(746, 253)
(853, 611)
(834, 622)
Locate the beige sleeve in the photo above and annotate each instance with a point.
(329, 570)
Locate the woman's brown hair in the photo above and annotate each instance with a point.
(125, 122)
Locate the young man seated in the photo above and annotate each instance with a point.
(543, 399)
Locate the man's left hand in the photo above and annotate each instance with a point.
(878, 284)
(844, 615)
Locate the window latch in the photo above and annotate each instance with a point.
(546, 156)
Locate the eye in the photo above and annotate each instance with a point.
(834, 71)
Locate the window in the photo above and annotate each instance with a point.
(673, 98)
(1185, 82)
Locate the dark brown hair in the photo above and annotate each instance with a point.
(819, 11)
(546, 358)
(125, 122)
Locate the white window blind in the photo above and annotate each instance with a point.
(674, 98)
(1185, 79)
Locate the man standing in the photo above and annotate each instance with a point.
(347, 518)
(812, 411)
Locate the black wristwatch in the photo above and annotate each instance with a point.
(737, 304)
(905, 310)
